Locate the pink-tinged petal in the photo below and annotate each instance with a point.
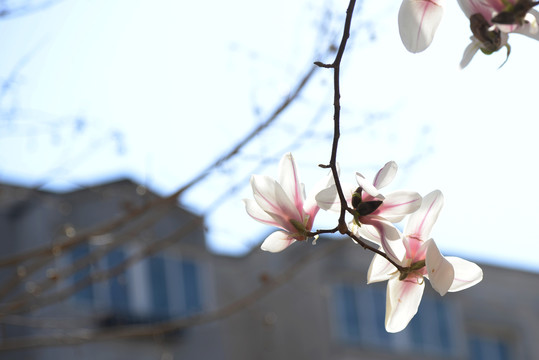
(385, 175)
(467, 273)
(468, 7)
(402, 301)
(289, 180)
(441, 273)
(420, 222)
(418, 21)
(371, 232)
(380, 270)
(368, 187)
(398, 204)
(277, 241)
(416, 249)
(382, 232)
(270, 196)
(258, 214)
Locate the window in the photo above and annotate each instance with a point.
(174, 286)
(155, 288)
(430, 329)
(361, 314)
(485, 347)
(360, 318)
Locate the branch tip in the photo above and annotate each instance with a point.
(321, 64)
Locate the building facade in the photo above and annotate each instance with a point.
(154, 271)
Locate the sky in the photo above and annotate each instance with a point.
(155, 91)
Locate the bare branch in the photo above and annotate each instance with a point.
(67, 243)
(87, 335)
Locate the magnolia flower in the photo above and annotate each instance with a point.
(492, 20)
(420, 258)
(418, 21)
(374, 213)
(283, 204)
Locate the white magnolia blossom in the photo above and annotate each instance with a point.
(375, 213)
(492, 20)
(418, 22)
(283, 204)
(420, 257)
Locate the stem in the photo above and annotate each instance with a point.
(366, 246)
(336, 66)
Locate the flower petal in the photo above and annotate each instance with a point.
(380, 270)
(311, 205)
(258, 214)
(402, 301)
(328, 199)
(469, 52)
(382, 232)
(277, 241)
(385, 175)
(398, 204)
(530, 22)
(416, 249)
(289, 180)
(420, 222)
(530, 28)
(271, 197)
(368, 187)
(418, 21)
(441, 273)
(467, 273)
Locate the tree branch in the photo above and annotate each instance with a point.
(74, 337)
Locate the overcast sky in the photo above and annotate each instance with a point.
(156, 90)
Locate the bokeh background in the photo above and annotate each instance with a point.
(155, 91)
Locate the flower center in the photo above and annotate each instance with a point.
(364, 208)
(491, 39)
(414, 269)
(514, 13)
(301, 228)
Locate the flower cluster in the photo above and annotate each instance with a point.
(490, 22)
(404, 259)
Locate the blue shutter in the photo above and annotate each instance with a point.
(191, 291)
(488, 348)
(158, 284)
(378, 294)
(117, 285)
(78, 253)
(348, 313)
(444, 328)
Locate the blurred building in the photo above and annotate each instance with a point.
(309, 302)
